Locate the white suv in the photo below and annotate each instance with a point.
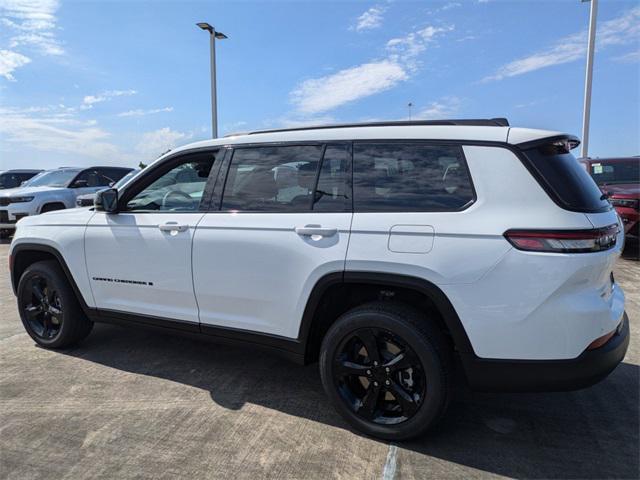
(53, 190)
(387, 252)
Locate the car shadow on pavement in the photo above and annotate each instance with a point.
(591, 433)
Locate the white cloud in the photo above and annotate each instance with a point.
(140, 113)
(370, 19)
(442, 108)
(618, 31)
(406, 49)
(325, 93)
(89, 100)
(55, 134)
(154, 143)
(321, 94)
(631, 57)
(34, 24)
(450, 5)
(10, 61)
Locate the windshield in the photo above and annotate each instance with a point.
(53, 178)
(620, 171)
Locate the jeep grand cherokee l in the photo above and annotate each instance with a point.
(386, 252)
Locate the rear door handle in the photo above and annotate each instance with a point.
(173, 227)
(310, 230)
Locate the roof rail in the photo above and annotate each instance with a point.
(482, 122)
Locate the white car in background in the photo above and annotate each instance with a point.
(87, 200)
(53, 190)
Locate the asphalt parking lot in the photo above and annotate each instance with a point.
(135, 404)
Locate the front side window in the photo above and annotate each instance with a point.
(178, 190)
(397, 177)
(272, 179)
(92, 178)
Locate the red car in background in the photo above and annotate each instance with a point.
(620, 179)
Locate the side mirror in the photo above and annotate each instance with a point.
(106, 200)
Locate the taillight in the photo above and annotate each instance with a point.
(564, 241)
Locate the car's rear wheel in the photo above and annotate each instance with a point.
(386, 369)
(48, 307)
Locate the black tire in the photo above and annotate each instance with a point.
(60, 323)
(427, 394)
(52, 207)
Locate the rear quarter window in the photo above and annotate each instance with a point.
(411, 177)
(565, 179)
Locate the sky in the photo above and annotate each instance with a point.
(118, 82)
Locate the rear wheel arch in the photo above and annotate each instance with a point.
(26, 254)
(336, 293)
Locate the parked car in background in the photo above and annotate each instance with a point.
(53, 190)
(15, 178)
(620, 179)
(87, 200)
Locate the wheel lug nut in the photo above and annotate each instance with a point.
(387, 382)
(368, 372)
(375, 364)
(375, 384)
(387, 370)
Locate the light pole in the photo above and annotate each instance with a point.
(586, 113)
(213, 35)
(409, 105)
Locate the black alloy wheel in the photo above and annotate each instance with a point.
(379, 376)
(49, 309)
(43, 310)
(386, 368)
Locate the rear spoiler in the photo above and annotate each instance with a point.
(563, 143)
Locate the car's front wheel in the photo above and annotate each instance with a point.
(386, 369)
(48, 307)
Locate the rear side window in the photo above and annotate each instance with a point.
(398, 177)
(565, 179)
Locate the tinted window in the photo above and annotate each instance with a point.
(567, 180)
(113, 175)
(92, 178)
(178, 190)
(271, 179)
(10, 180)
(619, 171)
(398, 177)
(332, 190)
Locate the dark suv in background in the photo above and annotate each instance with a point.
(620, 179)
(14, 178)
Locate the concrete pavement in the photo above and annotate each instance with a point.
(136, 404)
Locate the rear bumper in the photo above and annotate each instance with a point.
(589, 368)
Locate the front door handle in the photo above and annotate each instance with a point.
(310, 230)
(173, 227)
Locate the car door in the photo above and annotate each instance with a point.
(139, 259)
(282, 222)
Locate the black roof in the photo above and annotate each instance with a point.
(480, 122)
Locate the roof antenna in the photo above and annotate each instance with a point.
(409, 105)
